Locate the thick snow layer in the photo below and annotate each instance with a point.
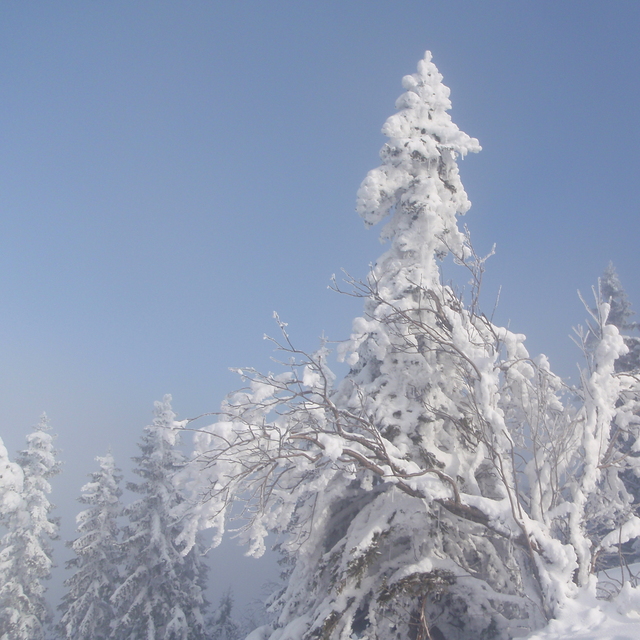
(586, 618)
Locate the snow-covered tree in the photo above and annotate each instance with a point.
(26, 555)
(86, 607)
(395, 491)
(222, 625)
(612, 510)
(442, 488)
(11, 479)
(620, 314)
(161, 592)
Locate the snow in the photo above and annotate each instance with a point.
(587, 618)
(628, 531)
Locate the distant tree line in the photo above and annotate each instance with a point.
(130, 578)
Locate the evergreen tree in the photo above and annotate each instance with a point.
(26, 556)
(443, 488)
(394, 491)
(87, 612)
(620, 313)
(161, 594)
(596, 492)
(223, 625)
(11, 479)
(615, 505)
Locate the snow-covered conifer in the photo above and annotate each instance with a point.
(443, 488)
(26, 555)
(395, 492)
(11, 479)
(611, 390)
(620, 314)
(86, 608)
(222, 625)
(161, 592)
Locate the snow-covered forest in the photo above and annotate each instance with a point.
(449, 486)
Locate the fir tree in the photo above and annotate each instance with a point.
(620, 314)
(11, 480)
(222, 625)
(161, 594)
(615, 505)
(87, 612)
(26, 557)
(443, 488)
(383, 487)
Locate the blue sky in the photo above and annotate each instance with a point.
(173, 172)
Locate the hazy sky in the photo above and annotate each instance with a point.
(173, 172)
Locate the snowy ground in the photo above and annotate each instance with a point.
(587, 618)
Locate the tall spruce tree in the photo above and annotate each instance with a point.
(442, 489)
(394, 492)
(26, 556)
(87, 612)
(161, 593)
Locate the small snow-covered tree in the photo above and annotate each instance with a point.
(222, 625)
(11, 480)
(86, 607)
(11, 485)
(611, 389)
(26, 554)
(612, 292)
(161, 592)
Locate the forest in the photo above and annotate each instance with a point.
(450, 486)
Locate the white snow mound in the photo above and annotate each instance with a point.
(587, 618)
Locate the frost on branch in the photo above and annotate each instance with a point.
(442, 488)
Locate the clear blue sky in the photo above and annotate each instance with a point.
(173, 172)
